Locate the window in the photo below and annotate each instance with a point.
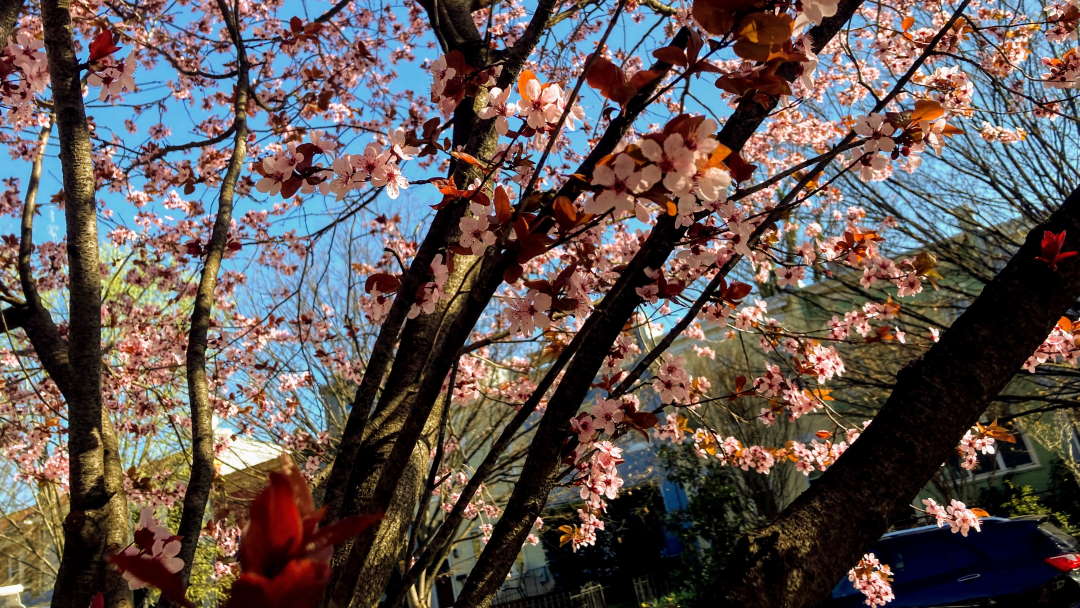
(1014, 455)
(1007, 458)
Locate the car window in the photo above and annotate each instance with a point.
(1061, 539)
(924, 555)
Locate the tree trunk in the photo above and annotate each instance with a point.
(796, 560)
(97, 523)
(9, 15)
(383, 461)
(201, 479)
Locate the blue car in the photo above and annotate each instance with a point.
(1023, 562)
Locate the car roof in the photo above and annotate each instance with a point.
(931, 528)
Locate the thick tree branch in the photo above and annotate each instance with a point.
(202, 432)
(9, 15)
(98, 520)
(937, 398)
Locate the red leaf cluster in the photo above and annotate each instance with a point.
(612, 82)
(153, 572)
(299, 32)
(102, 46)
(1052, 245)
(284, 554)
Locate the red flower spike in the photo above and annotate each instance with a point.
(276, 529)
(284, 554)
(102, 46)
(299, 585)
(1052, 244)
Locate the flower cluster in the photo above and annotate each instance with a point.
(817, 454)
(153, 541)
(1064, 71)
(878, 133)
(951, 87)
(821, 452)
(959, 518)
(526, 314)
(542, 104)
(672, 382)
(971, 445)
(540, 107)
(600, 481)
(431, 292)
(993, 133)
(872, 578)
(684, 162)
(291, 168)
(1059, 346)
(24, 59)
(859, 320)
(113, 77)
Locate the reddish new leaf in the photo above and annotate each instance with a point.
(383, 282)
(762, 34)
(765, 81)
(102, 46)
(643, 420)
(340, 531)
(611, 82)
(740, 169)
(1052, 245)
(503, 211)
(738, 291)
(565, 213)
(468, 158)
(154, 573)
(927, 109)
(513, 273)
(298, 585)
(671, 54)
(275, 531)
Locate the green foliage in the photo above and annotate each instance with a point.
(1011, 500)
(718, 511)
(205, 588)
(679, 599)
(1063, 495)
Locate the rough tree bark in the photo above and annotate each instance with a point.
(97, 523)
(385, 452)
(202, 432)
(9, 15)
(796, 560)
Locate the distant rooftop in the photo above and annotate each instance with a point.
(244, 453)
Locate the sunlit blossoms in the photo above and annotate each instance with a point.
(154, 542)
(872, 578)
(956, 515)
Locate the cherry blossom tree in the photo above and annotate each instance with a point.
(472, 213)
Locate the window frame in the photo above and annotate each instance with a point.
(1000, 462)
